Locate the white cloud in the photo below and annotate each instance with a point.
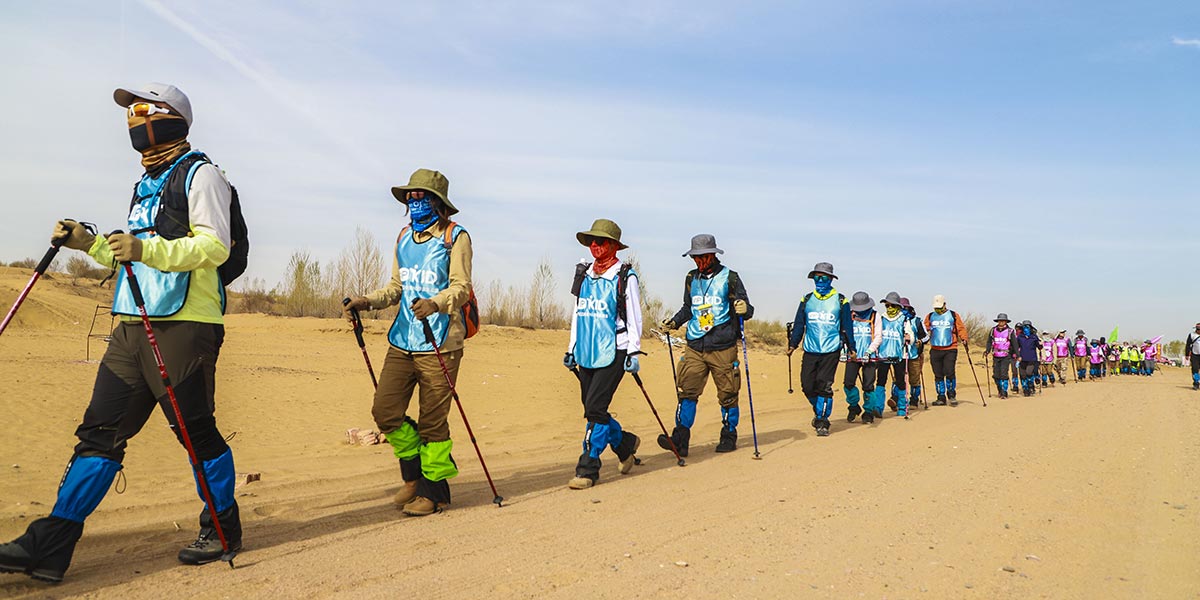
(1195, 43)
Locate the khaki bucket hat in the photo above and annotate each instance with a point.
(601, 228)
(430, 181)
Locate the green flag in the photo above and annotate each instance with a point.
(1112, 337)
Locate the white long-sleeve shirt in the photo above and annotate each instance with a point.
(629, 330)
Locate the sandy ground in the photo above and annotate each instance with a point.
(1087, 491)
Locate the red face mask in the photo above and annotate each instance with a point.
(605, 253)
(703, 261)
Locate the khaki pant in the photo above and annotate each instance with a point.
(1060, 367)
(914, 369)
(695, 368)
(1082, 363)
(402, 372)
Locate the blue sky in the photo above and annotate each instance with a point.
(1035, 158)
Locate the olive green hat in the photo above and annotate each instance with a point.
(430, 181)
(601, 228)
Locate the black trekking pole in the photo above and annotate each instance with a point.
(362, 345)
(749, 393)
(986, 371)
(496, 498)
(907, 382)
(678, 460)
(972, 366)
(197, 468)
(38, 271)
(789, 357)
(921, 377)
(671, 356)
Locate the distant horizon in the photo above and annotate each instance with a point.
(1016, 157)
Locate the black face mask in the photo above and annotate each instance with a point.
(160, 131)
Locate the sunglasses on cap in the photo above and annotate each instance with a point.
(145, 109)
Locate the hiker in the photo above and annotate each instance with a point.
(897, 336)
(1080, 352)
(916, 359)
(1062, 355)
(824, 325)
(1135, 358)
(1192, 349)
(1113, 358)
(1126, 358)
(714, 300)
(1047, 367)
(1150, 352)
(946, 332)
(867, 329)
(1095, 359)
(431, 281)
(1103, 357)
(606, 339)
(1000, 345)
(179, 223)
(1026, 347)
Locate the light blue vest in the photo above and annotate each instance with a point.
(424, 271)
(914, 349)
(710, 303)
(863, 333)
(165, 293)
(596, 322)
(822, 330)
(892, 346)
(941, 329)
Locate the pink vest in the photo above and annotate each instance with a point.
(1081, 347)
(1001, 342)
(1063, 346)
(1095, 355)
(1150, 351)
(1048, 351)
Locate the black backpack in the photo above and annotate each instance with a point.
(173, 221)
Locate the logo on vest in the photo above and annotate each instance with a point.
(418, 276)
(699, 300)
(822, 318)
(592, 307)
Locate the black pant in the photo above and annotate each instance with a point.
(597, 386)
(1195, 364)
(817, 372)
(1000, 366)
(897, 368)
(853, 368)
(943, 362)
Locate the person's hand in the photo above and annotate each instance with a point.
(125, 247)
(423, 307)
(668, 324)
(356, 303)
(987, 352)
(74, 235)
(851, 355)
(740, 307)
(569, 361)
(790, 350)
(631, 364)
(908, 338)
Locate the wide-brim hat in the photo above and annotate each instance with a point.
(1001, 317)
(822, 268)
(861, 301)
(603, 229)
(156, 92)
(704, 243)
(905, 303)
(429, 181)
(892, 298)
(1026, 323)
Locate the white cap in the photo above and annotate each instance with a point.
(157, 92)
(939, 301)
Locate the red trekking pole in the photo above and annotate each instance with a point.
(497, 499)
(362, 345)
(183, 432)
(38, 271)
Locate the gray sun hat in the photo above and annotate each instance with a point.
(1026, 322)
(1080, 332)
(703, 243)
(156, 92)
(861, 301)
(822, 268)
(1001, 317)
(892, 298)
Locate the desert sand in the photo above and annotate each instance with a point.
(1087, 491)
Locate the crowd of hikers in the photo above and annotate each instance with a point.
(187, 241)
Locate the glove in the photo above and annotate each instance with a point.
(423, 307)
(358, 303)
(740, 307)
(77, 236)
(569, 361)
(669, 324)
(631, 364)
(908, 338)
(851, 355)
(125, 247)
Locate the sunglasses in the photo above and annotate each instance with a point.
(145, 109)
(415, 195)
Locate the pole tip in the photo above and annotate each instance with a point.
(682, 463)
(498, 501)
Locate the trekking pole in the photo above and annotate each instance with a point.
(38, 271)
(789, 357)
(907, 383)
(749, 393)
(921, 376)
(362, 345)
(678, 460)
(986, 371)
(972, 365)
(496, 498)
(671, 356)
(197, 469)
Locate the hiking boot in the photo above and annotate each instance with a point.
(580, 483)
(682, 436)
(1196, 385)
(15, 559)
(630, 459)
(953, 402)
(854, 411)
(913, 402)
(868, 417)
(407, 492)
(823, 429)
(892, 404)
(206, 548)
(421, 507)
(941, 400)
(816, 423)
(728, 441)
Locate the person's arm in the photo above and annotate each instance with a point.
(798, 326)
(633, 315)
(389, 294)
(209, 198)
(960, 329)
(459, 291)
(919, 330)
(685, 310)
(987, 343)
(739, 293)
(847, 327)
(876, 333)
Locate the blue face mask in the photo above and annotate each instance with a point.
(824, 284)
(1025, 328)
(422, 213)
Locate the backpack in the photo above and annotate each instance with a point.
(622, 284)
(470, 309)
(173, 221)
